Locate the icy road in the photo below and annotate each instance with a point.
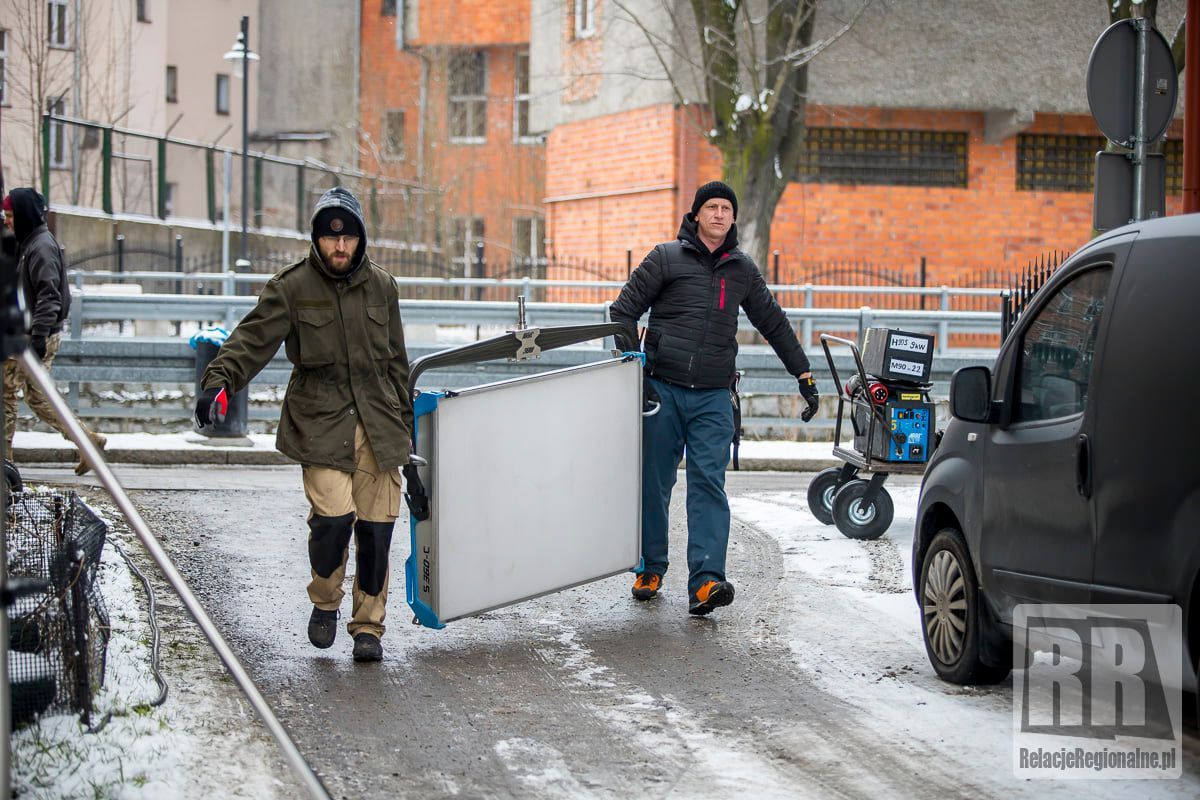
(813, 684)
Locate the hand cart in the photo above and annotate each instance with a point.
(862, 508)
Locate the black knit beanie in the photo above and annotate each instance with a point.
(336, 222)
(714, 189)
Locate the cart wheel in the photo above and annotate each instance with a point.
(858, 521)
(820, 494)
(12, 477)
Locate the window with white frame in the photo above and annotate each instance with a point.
(3, 67)
(585, 18)
(529, 245)
(56, 24)
(521, 98)
(222, 94)
(143, 10)
(393, 134)
(465, 234)
(172, 84)
(468, 96)
(58, 132)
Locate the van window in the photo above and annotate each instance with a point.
(1057, 348)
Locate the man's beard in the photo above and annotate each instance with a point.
(334, 268)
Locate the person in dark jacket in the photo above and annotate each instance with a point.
(347, 416)
(42, 277)
(693, 288)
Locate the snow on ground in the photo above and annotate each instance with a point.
(138, 751)
(864, 645)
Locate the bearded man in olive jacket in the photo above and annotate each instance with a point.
(347, 415)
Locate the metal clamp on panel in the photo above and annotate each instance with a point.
(527, 346)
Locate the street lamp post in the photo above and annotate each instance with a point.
(241, 55)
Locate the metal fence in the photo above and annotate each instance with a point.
(117, 170)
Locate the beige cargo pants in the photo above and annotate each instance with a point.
(368, 498)
(16, 383)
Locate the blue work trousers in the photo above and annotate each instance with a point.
(699, 421)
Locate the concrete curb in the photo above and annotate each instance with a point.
(258, 456)
(243, 456)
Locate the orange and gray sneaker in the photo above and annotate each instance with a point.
(647, 585)
(710, 595)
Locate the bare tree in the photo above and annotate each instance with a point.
(750, 58)
(38, 75)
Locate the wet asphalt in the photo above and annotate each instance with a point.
(585, 693)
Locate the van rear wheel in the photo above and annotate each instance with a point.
(954, 622)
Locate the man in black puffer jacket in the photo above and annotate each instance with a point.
(693, 288)
(42, 276)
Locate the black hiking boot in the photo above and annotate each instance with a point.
(322, 628)
(367, 648)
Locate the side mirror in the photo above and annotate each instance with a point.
(971, 394)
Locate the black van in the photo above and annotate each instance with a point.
(1070, 473)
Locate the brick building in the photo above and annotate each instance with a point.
(445, 103)
(958, 132)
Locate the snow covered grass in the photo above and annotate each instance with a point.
(137, 753)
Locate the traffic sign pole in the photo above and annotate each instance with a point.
(1139, 125)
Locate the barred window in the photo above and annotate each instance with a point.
(1056, 162)
(1061, 163)
(884, 157)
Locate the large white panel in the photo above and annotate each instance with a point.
(538, 485)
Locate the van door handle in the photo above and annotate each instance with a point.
(1083, 465)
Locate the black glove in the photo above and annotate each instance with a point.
(627, 340)
(38, 343)
(414, 495)
(650, 398)
(808, 390)
(211, 406)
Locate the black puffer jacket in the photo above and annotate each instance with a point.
(40, 269)
(693, 296)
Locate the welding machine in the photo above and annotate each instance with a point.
(903, 419)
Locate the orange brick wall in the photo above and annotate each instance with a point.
(595, 163)
(988, 225)
(498, 180)
(475, 23)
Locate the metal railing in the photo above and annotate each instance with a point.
(228, 309)
(171, 362)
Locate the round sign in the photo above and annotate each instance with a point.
(1112, 83)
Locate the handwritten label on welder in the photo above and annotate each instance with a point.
(906, 367)
(909, 344)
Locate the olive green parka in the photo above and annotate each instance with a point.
(344, 338)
